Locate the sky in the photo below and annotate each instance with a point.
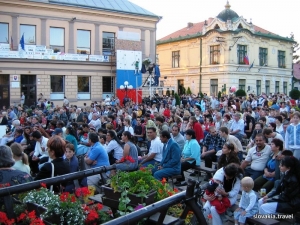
(277, 16)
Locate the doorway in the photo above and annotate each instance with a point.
(180, 85)
(4, 91)
(28, 86)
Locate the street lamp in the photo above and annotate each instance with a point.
(126, 87)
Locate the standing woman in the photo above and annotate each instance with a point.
(71, 137)
(228, 156)
(292, 140)
(129, 161)
(286, 198)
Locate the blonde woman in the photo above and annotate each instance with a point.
(21, 158)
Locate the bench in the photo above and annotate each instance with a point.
(174, 177)
(262, 221)
(207, 170)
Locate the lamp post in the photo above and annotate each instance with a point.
(126, 87)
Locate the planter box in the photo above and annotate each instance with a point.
(109, 194)
(38, 209)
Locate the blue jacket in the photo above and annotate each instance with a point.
(292, 134)
(171, 156)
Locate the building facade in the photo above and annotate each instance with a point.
(58, 48)
(223, 52)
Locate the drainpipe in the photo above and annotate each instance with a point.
(200, 80)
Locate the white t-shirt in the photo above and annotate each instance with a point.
(38, 148)
(130, 129)
(258, 159)
(95, 123)
(113, 145)
(156, 147)
(277, 136)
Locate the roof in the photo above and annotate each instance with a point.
(227, 13)
(196, 31)
(120, 6)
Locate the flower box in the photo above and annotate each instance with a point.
(110, 195)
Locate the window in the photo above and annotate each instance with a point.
(242, 52)
(242, 84)
(276, 87)
(29, 34)
(4, 33)
(285, 87)
(108, 43)
(263, 56)
(57, 39)
(267, 87)
(175, 59)
(214, 86)
(83, 42)
(108, 84)
(57, 83)
(83, 86)
(258, 87)
(281, 59)
(215, 54)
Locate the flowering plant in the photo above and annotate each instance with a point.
(96, 214)
(24, 218)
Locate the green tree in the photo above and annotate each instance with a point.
(201, 95)
(240, 93)
(219, 94)
(295, 94)
(177, 98)
(295, 47)
(188, 91)
(173, 92)
(183, 90)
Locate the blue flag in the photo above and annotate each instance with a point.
(22, 43)
(251, 65)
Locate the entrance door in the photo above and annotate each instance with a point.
(4, 91)
(180, 85)
(28, 86)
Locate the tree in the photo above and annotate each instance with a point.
(183, 90)
(201, 95)
(177, 98)
(219, 95)
(188, 91)
(173, 92)
(295, 94)
(240, 93)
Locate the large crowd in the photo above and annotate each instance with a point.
(47, 140)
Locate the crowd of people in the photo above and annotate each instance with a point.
(47, 140)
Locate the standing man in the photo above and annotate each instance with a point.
(155, 152)
(170, 164)
(22, 99)
(96, 157)
(177, 136)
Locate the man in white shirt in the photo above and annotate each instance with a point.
(95, 122)
(155, 151)
(237, 127)
(257, 158)
(41, 149)
(270, 135)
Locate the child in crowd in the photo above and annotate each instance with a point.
(221, 203)
(248, 205)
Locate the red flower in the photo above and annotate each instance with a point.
(163, 181)
(64, 196)
(43, 185)
(170, 193)
(32, 215)
(37, 221)
(73, 198)
(21, 217)
(160, 191)
(82, 192)
(99, 206)
(91, 217)
(176, 190)
(143, 169)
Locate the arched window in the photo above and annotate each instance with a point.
(217, 26)
(240, 26)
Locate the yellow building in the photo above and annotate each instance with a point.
(68, 47)
(218, 53)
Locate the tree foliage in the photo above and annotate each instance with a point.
(240, 93)
(188, 91)
(177, 98)
(295, 48)
(295, 94)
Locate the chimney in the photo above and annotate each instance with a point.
(189, 25)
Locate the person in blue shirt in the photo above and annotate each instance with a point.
(96, 157)
(18, 135)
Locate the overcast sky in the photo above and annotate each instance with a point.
(278, 16)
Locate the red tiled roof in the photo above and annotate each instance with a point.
(197, 27)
